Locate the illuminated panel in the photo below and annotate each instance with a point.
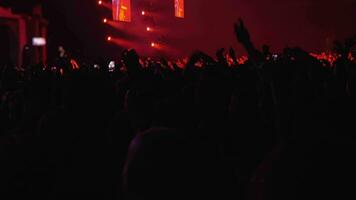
(121, 10)
(125, 11)
(179, 8)
(115, 9)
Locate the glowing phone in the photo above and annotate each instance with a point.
(111, 66)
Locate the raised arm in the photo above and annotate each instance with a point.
(243, 36)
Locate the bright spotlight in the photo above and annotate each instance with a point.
(148, 28)
(143, 13)
(109, 38)
(153, 44)
(100, 2)
(105, 20)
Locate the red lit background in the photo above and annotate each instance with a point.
(207, 25)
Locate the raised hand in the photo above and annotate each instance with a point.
(221, 57)
(242, 34)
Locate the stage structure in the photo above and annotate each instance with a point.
(121, 10)
(150, 26)
(23, 36)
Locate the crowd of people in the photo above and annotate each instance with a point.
(267, 127)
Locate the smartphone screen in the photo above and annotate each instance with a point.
(112, 66)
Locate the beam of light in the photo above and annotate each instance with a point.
(134, 31)
(123, 43)
(162, 47)
(116, 25)
(104, 4)
(157, 15)
(154, 45)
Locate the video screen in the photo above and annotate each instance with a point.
(39, 41)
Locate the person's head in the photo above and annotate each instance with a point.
(61, 49)
(131, 60)
(161, 165)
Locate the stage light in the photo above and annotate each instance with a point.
(148, 28)
(109, 38)
(153, 44)
(105, 20)
(143, 13)
(100, 2)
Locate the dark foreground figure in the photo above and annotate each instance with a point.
(271, 128)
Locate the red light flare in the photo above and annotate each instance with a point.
(154, 45)
(134, 30)
(148, 29)
(152, 14)
(105, 4)
(109, 38)
(105, 20)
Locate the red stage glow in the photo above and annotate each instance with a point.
(153, 44)
(100, 2)
(143, 13)
(148, 29)
(109, 38)
(105, 20)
